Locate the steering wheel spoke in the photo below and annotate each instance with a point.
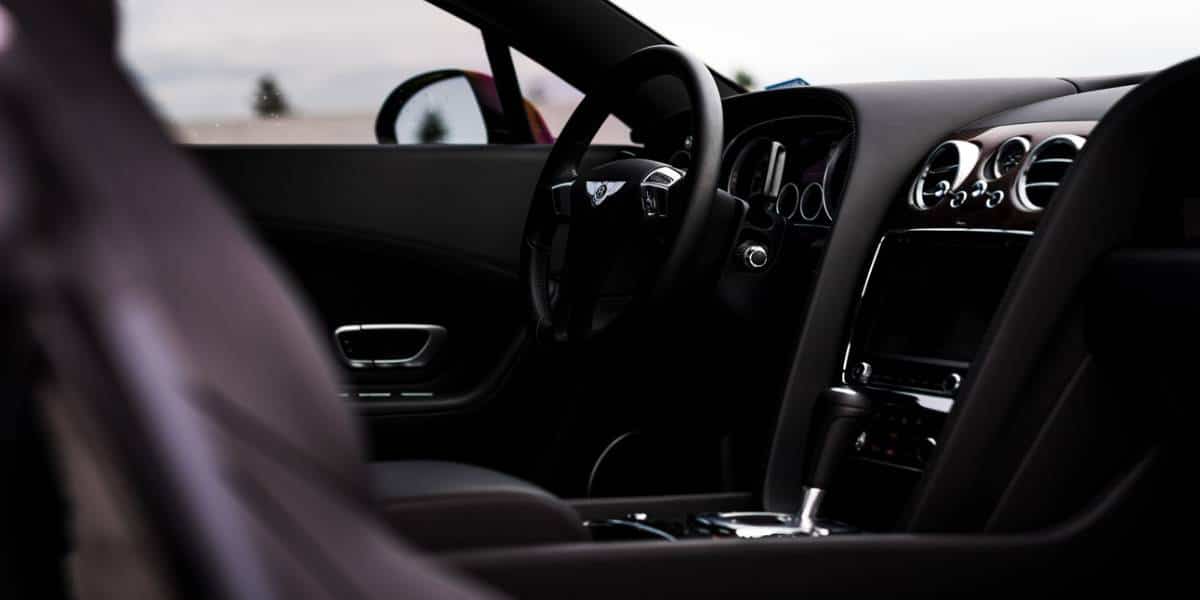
(628, 217)
(655, 192)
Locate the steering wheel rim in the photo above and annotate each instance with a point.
(561, 180)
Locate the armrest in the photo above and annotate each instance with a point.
(443, 506)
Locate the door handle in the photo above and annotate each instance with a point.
(384, 346)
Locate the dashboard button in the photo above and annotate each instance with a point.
(925, 449)
(979, 189)
(995, 198)
(952, 382)
(861, 372)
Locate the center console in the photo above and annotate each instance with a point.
(925, 306)
(940, 268)
(927, 299)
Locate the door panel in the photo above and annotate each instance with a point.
(406, 235)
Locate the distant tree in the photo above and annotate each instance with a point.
(432, 129)
(743, 78)
(269, 101)
(537, 92)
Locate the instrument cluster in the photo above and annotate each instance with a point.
(792, 167)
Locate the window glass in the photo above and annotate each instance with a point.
(290, 71)
(317, 72)
(557, 99)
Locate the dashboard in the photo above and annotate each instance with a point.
(910, 230)
(946, 250)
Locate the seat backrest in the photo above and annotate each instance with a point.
(196, 411)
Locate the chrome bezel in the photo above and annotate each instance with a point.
(1025, 146)
(968, 159)
(820, 189)
(795, 209)
(1020, 198)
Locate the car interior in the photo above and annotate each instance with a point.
(894, 338)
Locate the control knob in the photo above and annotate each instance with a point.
(861, 372)
(979, 190)
(951, 383)
(754, 256)
(925, 449)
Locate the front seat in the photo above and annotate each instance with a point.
(196, 417)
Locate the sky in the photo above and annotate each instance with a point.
(838, 41)
(200, 58)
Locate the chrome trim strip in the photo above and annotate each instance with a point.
(433, 343)
(653, 531)
(940, 404)
(775, 163)
(671, 173)
(600, 459)
(933, 402)
(742, 525)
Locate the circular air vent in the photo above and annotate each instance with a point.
(1009, 156)
(944, 171)
(1044, 170)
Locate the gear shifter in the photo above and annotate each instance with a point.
(844, 411)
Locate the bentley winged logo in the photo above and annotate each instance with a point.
(599, 191)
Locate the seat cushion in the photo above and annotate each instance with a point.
(451, 506)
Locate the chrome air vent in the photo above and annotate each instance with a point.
(943, 172)
(1044, 170)
(1010, 155)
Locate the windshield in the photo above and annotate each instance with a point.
(760, 42)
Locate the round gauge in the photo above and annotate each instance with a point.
(812, 201)
(1009, 156)
(748, 177)
(788, 202)
(834, 176)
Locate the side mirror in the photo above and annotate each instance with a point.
(451, 106)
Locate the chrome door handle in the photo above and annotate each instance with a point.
(389, 345)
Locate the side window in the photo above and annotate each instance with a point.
(317, 72)
(557, 99)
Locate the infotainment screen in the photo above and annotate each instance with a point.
(932, 294)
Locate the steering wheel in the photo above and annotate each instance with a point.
(624, 199)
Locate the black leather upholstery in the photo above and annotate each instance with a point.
(452, 506)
